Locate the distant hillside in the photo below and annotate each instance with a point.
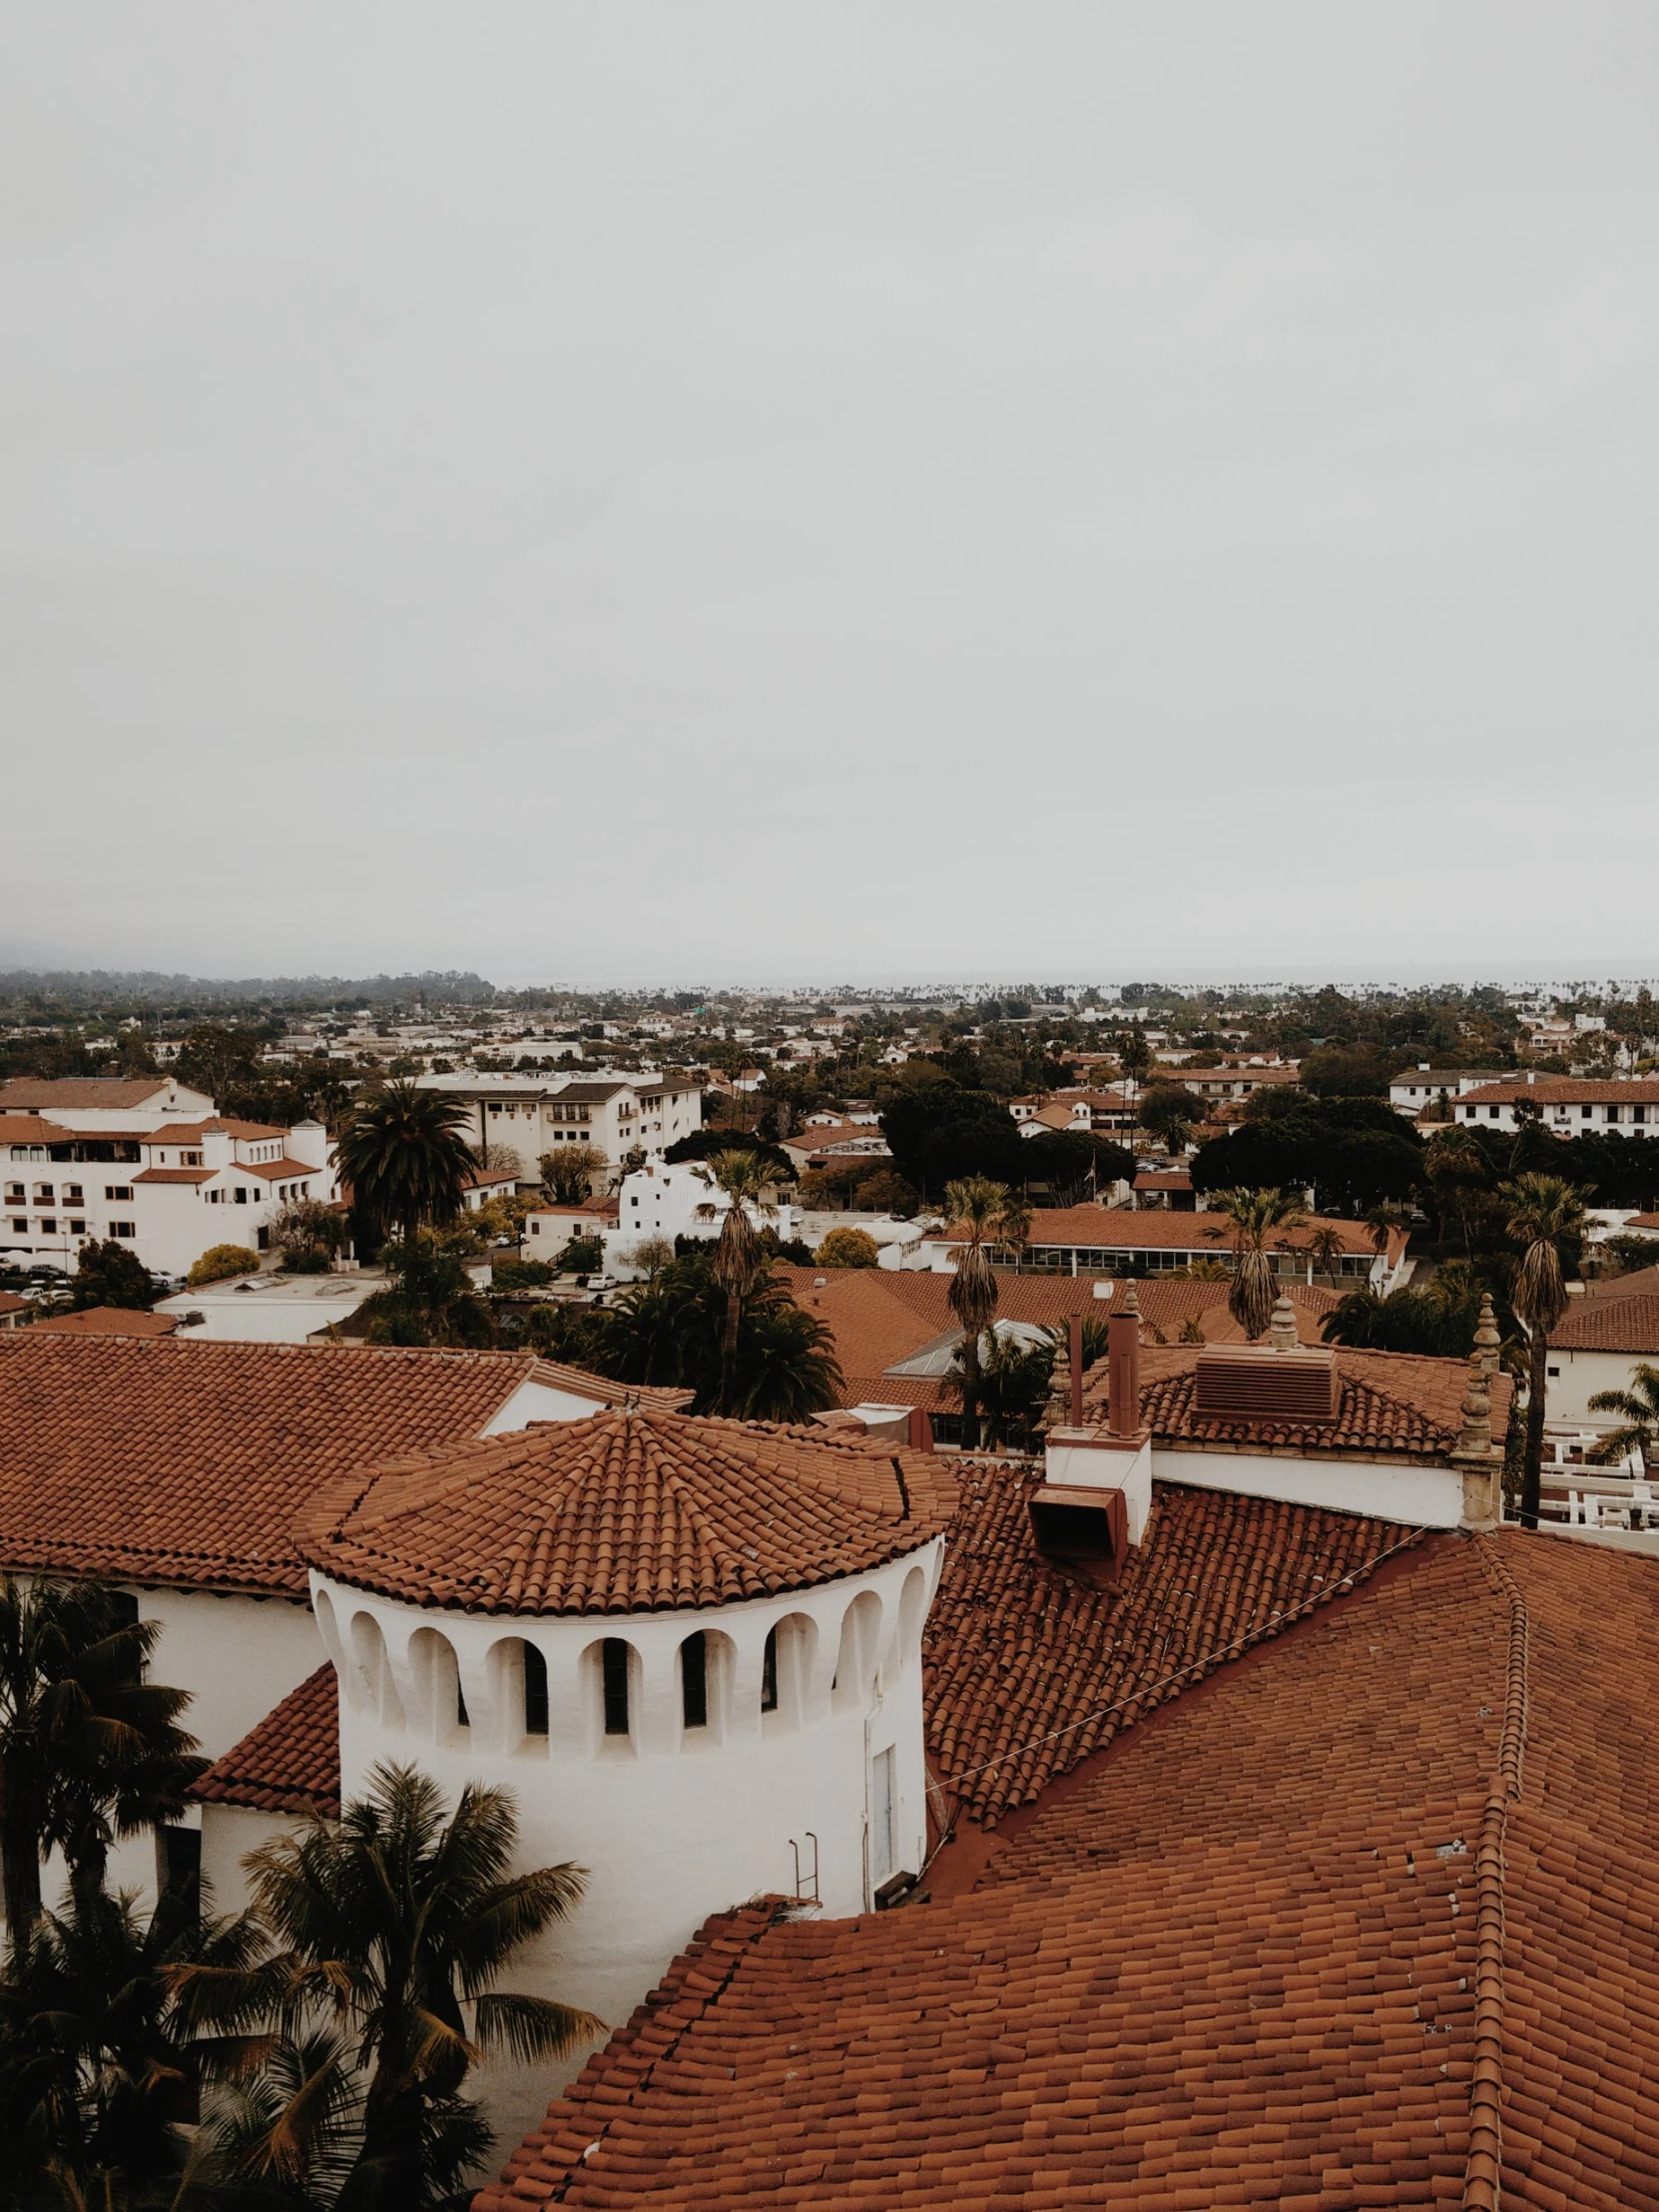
(110, 989)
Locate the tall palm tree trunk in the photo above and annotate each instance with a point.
(20, 1827)
(970, 1391)
(1532, 1466)
(729, 1352)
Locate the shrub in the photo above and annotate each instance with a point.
(305, 1260)
(519, 1274)
(582, 1255)
(849, 1248)
(221, 1261)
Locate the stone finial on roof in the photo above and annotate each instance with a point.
(1474, 1451)
(1487, 1338)
(1283, 1333)
(1474, 1440)
(1131, 1305)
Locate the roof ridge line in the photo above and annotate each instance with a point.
(1483, 2174)
(629, 2069)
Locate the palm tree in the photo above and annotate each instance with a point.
(672, 1331)
(392, 1926)
(1326, 1248)
(1383, 1220)
(1253, 1216)
(405, 1157)
(1639, 1406)
(991, 1215)
(1012, 1384)
(88, 1750)
(739, 1255)
(98, 2071)
(1545, 1214)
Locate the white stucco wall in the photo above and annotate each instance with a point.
(237, 1656)
(1567, 1394)
(671, 1824)
(228, 1834)
(1430, 1497)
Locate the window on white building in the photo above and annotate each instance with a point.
(613, 1660)
(880, 1817)
(694, 1681)
(117, 1193)
(535, 1692)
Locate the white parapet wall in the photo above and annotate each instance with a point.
(1418, 1497)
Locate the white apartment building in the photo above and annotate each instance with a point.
(1415, 1088)
(166, 1192)
(617, 1114)
(1567, 1105)
(655, 1201)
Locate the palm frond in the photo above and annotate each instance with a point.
(526, 2028)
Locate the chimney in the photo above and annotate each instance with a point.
(919, 1430)
(1074, 1335)
(1123, 1368)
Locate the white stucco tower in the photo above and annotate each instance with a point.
(691, 1649)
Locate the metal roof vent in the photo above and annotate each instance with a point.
(1255, 1383)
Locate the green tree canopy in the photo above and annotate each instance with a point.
(1352, 1153)
(942, 1133)
(109, 1275)
(405, 1156)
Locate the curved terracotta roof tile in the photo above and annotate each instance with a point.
(627, 1512)
(288, 1762)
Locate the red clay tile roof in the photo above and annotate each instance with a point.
(1643, 1221)
(1028, 1671)
(176, 1175)
(627, 1512)
(190, 1132)
(1610, 1324)
(107, 1321)
(1370, 1920)
(172, 1461)
(31, 1129)
(579, 1383)
(10, 1303)
(27, 1093)
(1390, 1402)
(1570, 1090)
(880, 1315)
(273, 1171)
(289, 1761)
(1121, 1228)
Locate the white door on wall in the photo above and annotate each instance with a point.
(880, 1817)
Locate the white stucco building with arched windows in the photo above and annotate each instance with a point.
(692, 1649)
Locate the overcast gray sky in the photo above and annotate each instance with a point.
(728, 490)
